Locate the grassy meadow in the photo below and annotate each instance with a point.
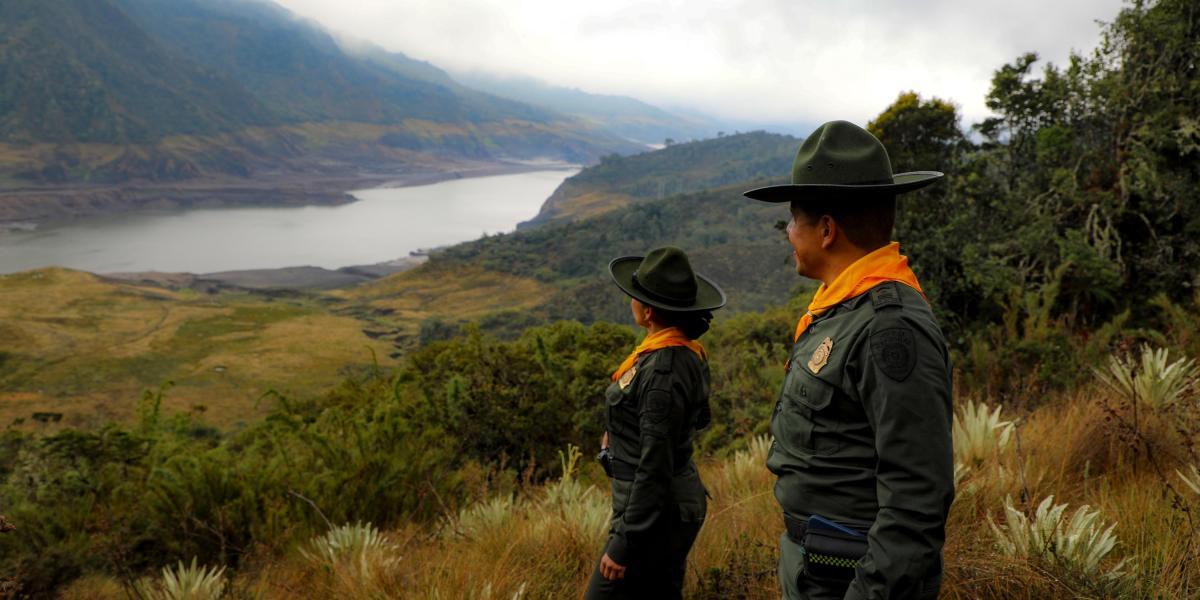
(429, 434)
(85, 348)
(1080, 446)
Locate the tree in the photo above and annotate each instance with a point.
(920, 135)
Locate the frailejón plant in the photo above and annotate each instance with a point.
(748, 465)
(185, 582)
(979, 434)
(1192, 479)
(1079, 543)
(360, 545)
(1150, 380)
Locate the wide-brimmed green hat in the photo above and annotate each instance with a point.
(664, 279)
(844, 158)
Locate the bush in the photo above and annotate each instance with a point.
(185, 582)
(1150, 382)
(1080, 543)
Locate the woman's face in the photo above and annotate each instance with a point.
(641, 313)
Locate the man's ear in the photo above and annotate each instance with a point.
(828, 229)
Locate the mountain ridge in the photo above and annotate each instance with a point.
(110, 91)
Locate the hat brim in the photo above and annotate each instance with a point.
(901, 182)
(708, 295)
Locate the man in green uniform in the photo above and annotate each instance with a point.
(862, 426)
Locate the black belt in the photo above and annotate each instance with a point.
(627, 471)
(795, 528)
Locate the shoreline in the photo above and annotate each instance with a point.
(35, 207)
(296, 277)
(272, 279)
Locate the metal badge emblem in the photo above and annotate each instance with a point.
(820, 356)
(627, 378)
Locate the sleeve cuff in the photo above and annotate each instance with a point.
(617, 550)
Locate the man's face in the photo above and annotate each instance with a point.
(805, 236)
(641, 313)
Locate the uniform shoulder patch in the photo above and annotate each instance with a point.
(894, 351)
(885, 294)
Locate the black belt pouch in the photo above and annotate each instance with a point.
(832, 555)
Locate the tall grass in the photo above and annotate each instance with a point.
(542, 542)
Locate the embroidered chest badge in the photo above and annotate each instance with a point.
(627, 378)
(820, 356)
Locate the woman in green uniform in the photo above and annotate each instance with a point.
(655, 405)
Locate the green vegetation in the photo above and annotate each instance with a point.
(84, 348)
(105, 81)
(1061, 253)
(109, 90)
(677, 169)
(445, 454)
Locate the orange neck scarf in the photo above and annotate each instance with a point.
(883, 264)
(671, 336)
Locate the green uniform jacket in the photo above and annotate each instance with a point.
(863, 436)
(652, 423)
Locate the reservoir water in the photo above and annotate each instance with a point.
(383, 224)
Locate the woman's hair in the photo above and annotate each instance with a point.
(693, 323)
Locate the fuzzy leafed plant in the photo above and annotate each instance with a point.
(1079, 543)
(185, 582)
(979, 434)
(360, 546)
(1150, 380)
(1192, 479)
(748, 467)
(570, 505)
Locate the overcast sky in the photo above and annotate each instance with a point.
(757, 60)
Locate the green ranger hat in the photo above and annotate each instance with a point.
(845, 158)
(664, 279)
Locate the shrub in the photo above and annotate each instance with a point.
(747, 466)
(581, 511)
(360, 547)
(480, 519)
(345, 542)
(1080, 543)
(185, 582)
(979, 435)
(1151, 381)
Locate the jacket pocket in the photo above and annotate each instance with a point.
(690, 496)
(804, 423)
(618, 415)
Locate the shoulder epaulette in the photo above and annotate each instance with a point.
(884, 295)
(663, 364)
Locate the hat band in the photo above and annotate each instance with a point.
(889, 180)
(657, 297)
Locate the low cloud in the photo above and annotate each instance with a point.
(758, 60)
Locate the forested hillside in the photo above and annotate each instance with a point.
(619, 181)
(113, 90)
(302, 73)
(76, 71)
(1061, 255)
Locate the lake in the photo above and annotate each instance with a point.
(383, 224)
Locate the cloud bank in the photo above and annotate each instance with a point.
(752, 60)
